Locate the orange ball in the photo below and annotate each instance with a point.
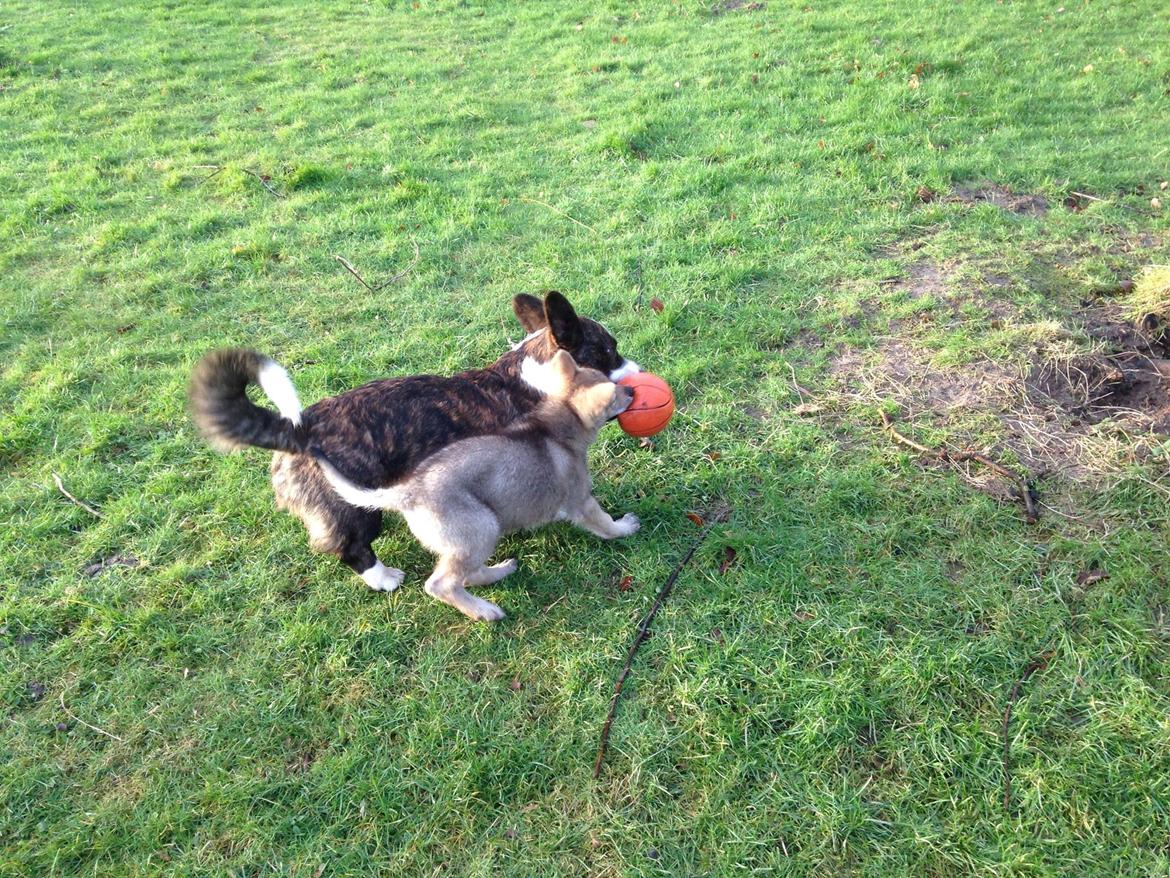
(652, 406)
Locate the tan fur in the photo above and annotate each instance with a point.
(465, 497)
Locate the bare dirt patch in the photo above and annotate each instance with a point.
(1082, 413)
(1002, 197)
(732, 5)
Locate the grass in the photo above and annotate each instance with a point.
(832, 703)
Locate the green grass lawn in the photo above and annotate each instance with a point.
(818, 194)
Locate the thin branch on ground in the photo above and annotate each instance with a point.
(373, 289)
(800, 391)
(78, 719)
(561, 212)
(215, 169)
(1037, 664)
(81, 503)
(720, 515)
(1023, 489)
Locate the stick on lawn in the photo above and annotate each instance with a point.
(720, 515)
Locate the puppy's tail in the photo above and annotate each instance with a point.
(228, 419)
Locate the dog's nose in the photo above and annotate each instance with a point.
(625, 396)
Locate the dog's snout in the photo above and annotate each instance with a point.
(623, 398)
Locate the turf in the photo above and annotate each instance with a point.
(832, 701)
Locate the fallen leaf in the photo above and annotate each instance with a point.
(728, 559)
(625, 584)
(807, 408)
(804, 615)
(926, 194)
(656, 305)
(914, 82)
(112, 561)
(717, 635)
(695, 518)
(1091, 577)
(712, 456)
(516, 685)
(1156, 203)
(1163, 185)
(645, 442)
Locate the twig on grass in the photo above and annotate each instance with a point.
(1037, 664)
(561, 212)
(1023, 489)
(215, 169)
(720, 515)
(373, 289)
(78, 719)
(81, 503)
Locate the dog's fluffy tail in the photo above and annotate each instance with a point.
(228, 419)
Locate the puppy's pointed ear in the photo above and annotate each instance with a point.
(529, 311)
(563, 321)
(564, 366)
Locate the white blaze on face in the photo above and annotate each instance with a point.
(278, 387)
(628, 367)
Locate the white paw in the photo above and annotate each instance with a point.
(383, 578)
(484, 611)
(627, 524)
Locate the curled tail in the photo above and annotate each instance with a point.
(227, 418)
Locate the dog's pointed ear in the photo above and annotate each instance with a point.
(563, 321)
(529, 311)
(564, 366)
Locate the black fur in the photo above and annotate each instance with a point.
(375, 435)
(224, 414)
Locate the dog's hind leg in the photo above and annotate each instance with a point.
(335, 527)
(359, 556)
(486, 575)
(447, 584)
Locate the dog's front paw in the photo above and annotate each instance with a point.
(483, 611)
(626, 525)
(383, 578)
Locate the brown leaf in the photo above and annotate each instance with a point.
(716, 634)
(1091, 577)
(728, 559)
(712, 456)
(516, 685)
(656, 305)
(625, 584)
(112, 561)
(695, 518)
(926, 194)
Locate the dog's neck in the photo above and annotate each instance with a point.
(561, 422)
